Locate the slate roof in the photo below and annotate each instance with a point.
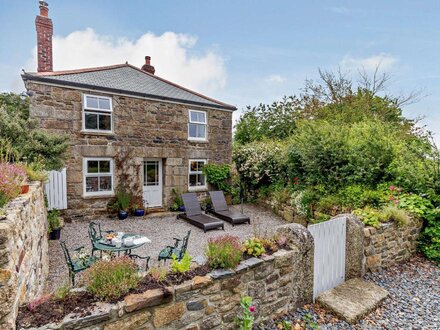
(126, 79)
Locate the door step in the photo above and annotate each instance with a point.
(353, 299)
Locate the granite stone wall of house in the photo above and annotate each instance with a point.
(277, 283)
(24, 257)
(390, 244)
(141, 129)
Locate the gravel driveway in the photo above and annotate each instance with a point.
(160, 230)
(414, 301)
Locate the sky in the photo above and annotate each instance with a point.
(241, 52)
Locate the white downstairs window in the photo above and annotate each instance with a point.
(196, 178)
(197, 126)
(97, 113)
(98, 176)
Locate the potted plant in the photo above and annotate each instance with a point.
(123, 201)
(178, 202)
(54, 224)
(138, 211)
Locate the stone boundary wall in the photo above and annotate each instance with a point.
(23, 253)
(277, 283)
(390, 244)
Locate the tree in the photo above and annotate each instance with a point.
(22, 140)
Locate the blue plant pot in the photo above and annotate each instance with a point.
(139, 212)
(181, 208)
(122, 215)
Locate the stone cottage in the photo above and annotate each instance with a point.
(127, 126)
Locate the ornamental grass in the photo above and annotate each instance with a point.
(224, 252)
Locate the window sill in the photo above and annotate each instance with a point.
(197, 141)
(97, 133)
(197, 189)
(109, 195)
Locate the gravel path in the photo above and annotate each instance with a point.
(414, 301)
(161, 231)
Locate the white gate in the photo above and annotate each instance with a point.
(329, 258)
(56, 190)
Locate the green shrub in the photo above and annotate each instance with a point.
(109, 280)
(62, 291)
(369, 216)
(218, 175)
(123, 199)
(392, 213)
(224, 252)
(182, 266)
(3, 199)
(53, 220)
(253, 247)
(158, 273)
(429, 242)
(177, 200)
(415, 204)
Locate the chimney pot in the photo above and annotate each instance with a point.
(44, 9)
(147, 67)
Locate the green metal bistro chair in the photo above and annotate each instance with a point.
(147, 259)
(76, 266)
(179, 249)
(95, 234)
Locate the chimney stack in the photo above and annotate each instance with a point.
(147, 67)
(44, 29)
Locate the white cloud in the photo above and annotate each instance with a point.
(341, 10)
(169, 54)
(384, 61)
(276, 79)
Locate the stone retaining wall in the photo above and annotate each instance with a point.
(390, 244)
(277, 283)
(23, 253)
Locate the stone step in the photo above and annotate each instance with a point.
(353, 299)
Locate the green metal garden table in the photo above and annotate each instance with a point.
(102, 245)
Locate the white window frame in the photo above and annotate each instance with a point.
(196, 188)
(199, 123)
(97, 111)
(86, 175)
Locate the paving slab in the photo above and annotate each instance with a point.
(353, 299)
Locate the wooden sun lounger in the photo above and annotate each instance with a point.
(221, 210)
(194, 215)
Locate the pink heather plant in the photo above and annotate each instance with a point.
(11, 178)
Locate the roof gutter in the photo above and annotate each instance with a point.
(29, 77)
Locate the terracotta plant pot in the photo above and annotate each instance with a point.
(25, 189)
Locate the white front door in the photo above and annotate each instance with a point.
(152, 183)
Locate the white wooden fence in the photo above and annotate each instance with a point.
(329, 258)
(56, 190)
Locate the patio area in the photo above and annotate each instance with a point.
(160, 230)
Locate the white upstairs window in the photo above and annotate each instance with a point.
(97, 113)
(197, 127)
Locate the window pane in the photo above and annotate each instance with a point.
(105, 183)
(193, 166)
(192, 130)
(104, 166)
(200, 166)
(104, 104)
(92, 184)
(193, 116)
(105, 122)
(92, 166)
(201, 131)
(200, 180)
(91, 121)
(152, 174)
(193, 180)
(92, 102)
(201, 117)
